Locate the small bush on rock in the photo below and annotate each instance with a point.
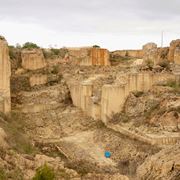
(30, 45)
(44, 173)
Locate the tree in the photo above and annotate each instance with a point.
(30, 45)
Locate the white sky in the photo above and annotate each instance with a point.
(112, 24)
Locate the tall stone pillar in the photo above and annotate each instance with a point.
(5, 73)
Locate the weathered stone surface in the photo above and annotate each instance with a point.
(38, 79)
(177, 56)
(5, 73)
(90, 56)
(128, 53)
(33, 59)
(150, 52)
(173, 45)
(163, 165)
(3, 136)
(162, 55)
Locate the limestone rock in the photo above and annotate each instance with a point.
(163, 165)
(177, 56)
(173, 45)
(90, 56)
(33, 59)
(3, 137)
(105, 177)
(150, 53)
(5, 73)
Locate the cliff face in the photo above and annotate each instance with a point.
(5, 72)
(90, 56)
(33, 59)
(173, 45)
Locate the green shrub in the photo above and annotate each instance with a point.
(96, 46)
(55, 52)
(12, 54)
(30, 45)
(3, 175)
(44, 173)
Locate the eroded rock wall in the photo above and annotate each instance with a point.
(33, 59)
(113, 96)
(129, 53)
(177, 56)
(173, 45)
(90, 56)
(5, 73)
(150, 53)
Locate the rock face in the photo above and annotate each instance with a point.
(150, 53)
(177, 56)
(90, 56)
(162, 55)
(163, 165)
(173, 45)
(33, 59)
(5, 73)
(128, 53)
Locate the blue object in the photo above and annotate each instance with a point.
(107, 154)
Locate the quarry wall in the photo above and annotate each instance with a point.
(5, 73)
(90, 56)
(113, 96)
(129, 53)
(33, 59)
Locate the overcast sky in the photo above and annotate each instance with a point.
(113, 24)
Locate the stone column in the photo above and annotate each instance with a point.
(5, 73)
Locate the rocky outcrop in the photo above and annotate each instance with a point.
(173, 45)
(128, 53)
(33, 59)
(38, 79)
(163, 165)
(5, 73)
(90, 56)
(150, 52)
(162, 55)
(112, 96)
(177, 56)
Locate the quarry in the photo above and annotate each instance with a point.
(62, 109)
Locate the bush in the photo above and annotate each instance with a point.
(3, 175)
(12, 53)
(30, 45)
(96, 46)
(55, 52)
(44, 173)
(2, 38)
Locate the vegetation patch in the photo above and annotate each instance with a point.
(44, 173)
(30, 45)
